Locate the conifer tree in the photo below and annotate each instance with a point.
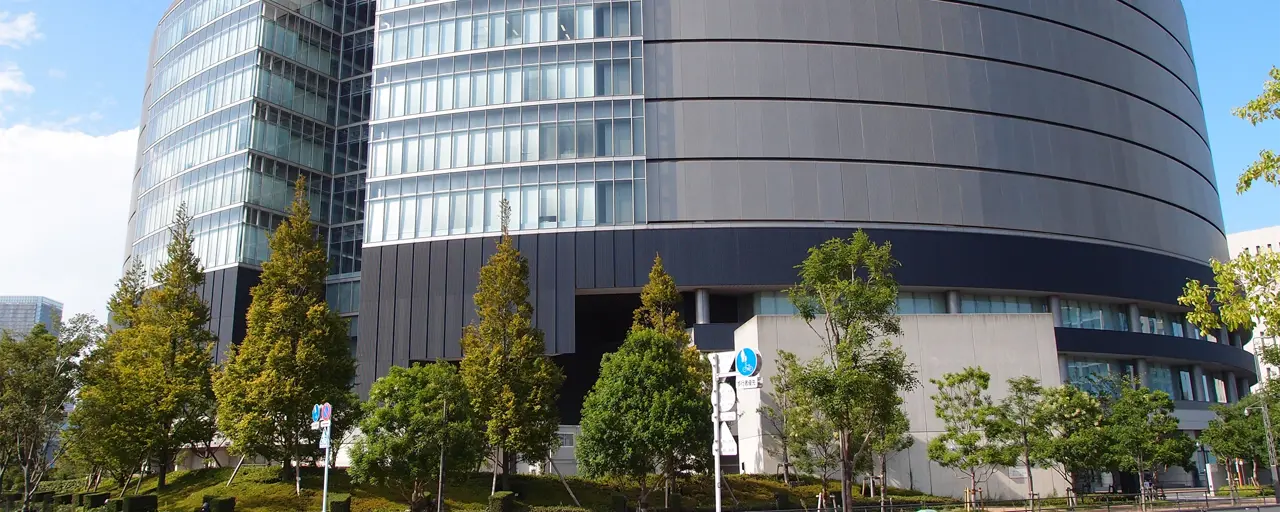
(168, 355)
(660, 311)
(513, 384)
(295, 353)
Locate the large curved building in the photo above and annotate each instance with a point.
(1035, 158)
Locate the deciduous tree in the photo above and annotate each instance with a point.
(1016, 424)
(967, 413)
(295, 353)
(1142, 431)
(1263, 108)
(412, 417)
(642, 409)
(38, 374)
(512, 383)
(848, 297)
(1075, 439)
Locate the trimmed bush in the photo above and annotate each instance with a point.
(558, 509)
(782, 501)
(617, 503)
(62, 499)
(342, 505)
(96, 499)
(503, 501)
(141, 503)
(227, 504)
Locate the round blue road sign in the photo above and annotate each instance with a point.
(747, 362)
(315, 412)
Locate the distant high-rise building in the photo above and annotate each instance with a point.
(18, 314)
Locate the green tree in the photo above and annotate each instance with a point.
(169, 353)
(813, 443)
(512, 383)
(967, 412)
(892, 435)
(1142, 430)
(660, 311)
(412, 417)
(660, 304)
(1265, 107)
(1016, 426)
(849, 298)
(295, 353)
(640, 411)
(38, 375)
(778, 408)
(1075, 441)
(1234, 435)
(110, 427)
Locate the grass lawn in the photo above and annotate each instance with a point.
(262, 489)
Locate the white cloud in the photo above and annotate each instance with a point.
(13, 81)
(64, 198)
(19, 30)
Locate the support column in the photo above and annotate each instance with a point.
(953, 302)
(1233, 390)
(1062, 368)
(702, 307)
(1198, 384)
(1135, 325)
(1224, 335)
(1055, 307)
(1142, 373)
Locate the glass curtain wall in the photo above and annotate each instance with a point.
(474, 102)
(241, 101)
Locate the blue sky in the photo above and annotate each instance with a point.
(71, 79)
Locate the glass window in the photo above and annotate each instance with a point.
(1085, 373)
(1188, 393)
(921, 303)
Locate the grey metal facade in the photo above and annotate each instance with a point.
(1039, 149)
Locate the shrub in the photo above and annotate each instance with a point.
(504, 501)
(96, 499)
(340, 505)
(617, 503)
(141, 503)
(62, 499)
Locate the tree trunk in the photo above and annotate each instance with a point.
(297, 470)
(1026, 457)
(493, 485)
(846, 473)
(164, 468)
(884, 478)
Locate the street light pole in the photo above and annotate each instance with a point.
(1271, 444)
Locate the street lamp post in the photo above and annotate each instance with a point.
(1266, 425)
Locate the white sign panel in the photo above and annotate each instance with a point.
(728, 447)
(728, 397)
(745, 383)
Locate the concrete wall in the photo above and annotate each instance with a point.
(1007, 346)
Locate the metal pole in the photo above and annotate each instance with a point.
(444, 424)
(324, 496)
(1271, 444)
(715, 425)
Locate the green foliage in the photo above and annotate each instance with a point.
(1143, 432)
(967, 413)
(659, 304)
(848, 296)
(1243, 294)
(1016, 426)
(660, 311)
(644, 407)
(295, 353)
(801, 435)
(38, 375)
(405, 428)
(504, 501)
(781, 413)
(1075, 439)
(512, 383)
(1265, 107)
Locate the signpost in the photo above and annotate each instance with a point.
(724, 399)
(322, 419)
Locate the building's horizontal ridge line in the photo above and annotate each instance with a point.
(945, 53)
(940, 166)
(933, 107)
